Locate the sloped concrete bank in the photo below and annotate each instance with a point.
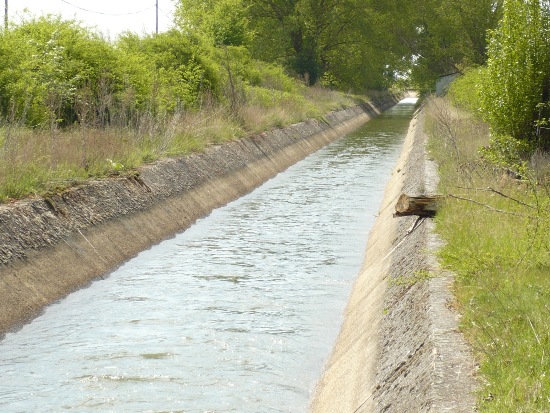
(51, 247)
(399, 349)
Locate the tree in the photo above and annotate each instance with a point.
(308, 35)
(437, 37)
(222, 22)
(353, 44)
(315, 39)
(517, 78)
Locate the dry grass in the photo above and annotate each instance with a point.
(36, 161)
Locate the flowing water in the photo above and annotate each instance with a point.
(236, 314)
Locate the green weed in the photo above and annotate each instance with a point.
(497, 232)
(35, 161)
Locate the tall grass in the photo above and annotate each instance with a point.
(497, 232)
(37, 161)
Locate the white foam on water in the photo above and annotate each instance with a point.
(408, 101)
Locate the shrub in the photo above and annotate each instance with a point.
(464, 92)
(517, 71)
(49, 61)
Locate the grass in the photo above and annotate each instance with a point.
(39, 161)
(497, 232)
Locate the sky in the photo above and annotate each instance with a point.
(111, 17)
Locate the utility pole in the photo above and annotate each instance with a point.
(157, 7)
(6, 16)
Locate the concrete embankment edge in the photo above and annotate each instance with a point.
(399, 349)
(52, 246)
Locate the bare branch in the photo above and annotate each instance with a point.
(489, 207)
(489, 189)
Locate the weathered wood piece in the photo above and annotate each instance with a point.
(423, 206)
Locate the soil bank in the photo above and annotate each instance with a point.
(399, 349)
(52, 246)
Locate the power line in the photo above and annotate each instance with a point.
(165, 14)
(107, 14)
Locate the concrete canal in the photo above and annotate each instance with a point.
(237, 314)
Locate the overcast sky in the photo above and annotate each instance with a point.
(111, 17)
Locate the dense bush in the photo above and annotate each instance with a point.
(47, 62)
(168, 71)
(518, 72)
(464, 92)
(56, 73)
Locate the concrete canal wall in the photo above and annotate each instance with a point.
(52, 246)
(399, 349)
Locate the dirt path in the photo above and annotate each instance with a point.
(398, 349)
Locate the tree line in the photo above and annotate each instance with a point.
(374, 44)
(55, 71)
(351, 44)
(52, 68)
